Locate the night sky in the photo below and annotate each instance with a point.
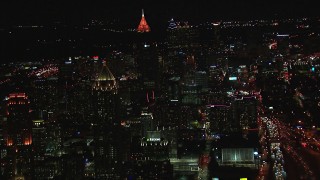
(41, 11)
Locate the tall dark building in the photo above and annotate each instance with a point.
(148, 67)
(148, 64)
(147, 58)
(39, 137)
(18, 136)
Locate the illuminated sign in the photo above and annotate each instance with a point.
(233, 78)
(153, 139)
(95, 58)
(282, 35)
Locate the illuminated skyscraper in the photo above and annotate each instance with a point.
(105, 89)
(108, 147)
(18, 135)
(143, 25)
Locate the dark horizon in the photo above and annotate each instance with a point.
(33, 11)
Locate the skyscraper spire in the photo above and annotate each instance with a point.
(143, 26)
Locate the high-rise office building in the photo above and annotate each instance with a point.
(201, 79)
(104, 93)
(190, 94)
(219, 118)
(181, 35)
(39, 137)
(181, 44)
(18, 136)
(148, 64)
(244, 112)
(109, 137)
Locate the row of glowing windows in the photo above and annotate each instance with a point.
(18, 95)
(19, 102)
(27, 141)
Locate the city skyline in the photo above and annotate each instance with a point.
(140, 90)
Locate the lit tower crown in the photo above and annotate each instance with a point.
(105, 80)
(143, 26)
(172, 24)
